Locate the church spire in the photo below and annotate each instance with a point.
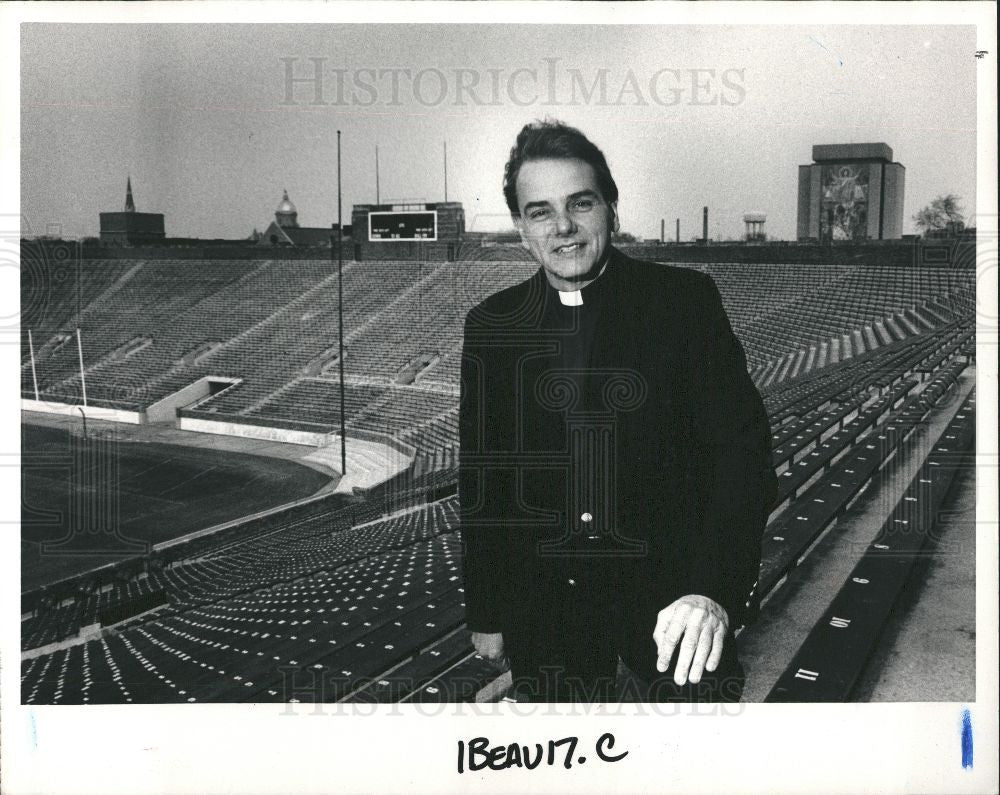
(129, 203)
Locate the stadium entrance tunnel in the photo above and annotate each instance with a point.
(325, 363)
(409, 372)
(130, 348)
(190, 396)
(198, 354)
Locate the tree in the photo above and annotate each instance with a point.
(944, 212)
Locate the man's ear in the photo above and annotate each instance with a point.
(615, 225)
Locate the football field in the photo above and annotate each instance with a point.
(88, 503)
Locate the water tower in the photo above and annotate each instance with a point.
(755, 226)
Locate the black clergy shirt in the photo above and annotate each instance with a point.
(577, 569)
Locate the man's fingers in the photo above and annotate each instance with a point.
(692, 630)
(662, 620)
(686, 654)
(701, 654)
(669, 639)
(718, 641)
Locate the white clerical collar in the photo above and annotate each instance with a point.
(575, 297)
(570, 297)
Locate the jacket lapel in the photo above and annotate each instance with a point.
(616, 344)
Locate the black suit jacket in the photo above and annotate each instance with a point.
(677, 478)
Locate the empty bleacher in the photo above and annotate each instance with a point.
(251, 646)
(365, 602)
(317, 401)
(253, 618)
(831, 659)
(267, 323)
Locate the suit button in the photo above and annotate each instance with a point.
(571, 581)
(587, 517)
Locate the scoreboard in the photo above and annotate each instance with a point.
(402, 225)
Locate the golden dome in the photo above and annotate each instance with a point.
(286, 205)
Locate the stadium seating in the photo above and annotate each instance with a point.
(362, 600)
(52, 287)
(248, 646)
(317, 401)
(272, 326)
(147, 301)
(833, 655)
(845, 474)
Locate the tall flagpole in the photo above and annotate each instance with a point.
(83, 378)
(34, 376)
(340, 312)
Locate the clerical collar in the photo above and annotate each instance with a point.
(575, 297)
(570, 297)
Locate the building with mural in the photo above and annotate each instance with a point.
(851, 192)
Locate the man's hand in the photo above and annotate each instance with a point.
(489, 646)
(702, 623)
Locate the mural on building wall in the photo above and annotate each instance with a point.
(844, 202)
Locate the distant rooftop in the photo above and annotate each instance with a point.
(837, 152)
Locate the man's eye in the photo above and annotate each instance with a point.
(584, 204)
(537, 215)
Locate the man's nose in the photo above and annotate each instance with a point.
(564, 224)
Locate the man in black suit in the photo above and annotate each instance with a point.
(615, 469)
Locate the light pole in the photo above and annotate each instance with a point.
(340, 315)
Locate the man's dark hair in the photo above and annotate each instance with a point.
(550, 139)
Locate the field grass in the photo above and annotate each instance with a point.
(85, 504)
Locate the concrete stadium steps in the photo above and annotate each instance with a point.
(917, 355)
(368, 462)
(894, 328)
(824, 483)
(838, 349)
(858, 342)
(908, 322)
(823, 355)
(316, 401)
(833, 303)
(835, 350)
(438, 460)
(937, 312)
(832, 657)
(871, 341)
(823, 533)
(797, 363)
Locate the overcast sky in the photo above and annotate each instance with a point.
(687, 116)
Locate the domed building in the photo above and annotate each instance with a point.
(286, 216)
(284, 230)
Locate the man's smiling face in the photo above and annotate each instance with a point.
(565, 222)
